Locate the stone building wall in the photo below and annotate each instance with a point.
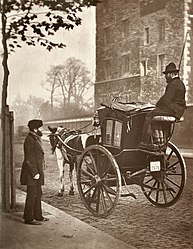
(153, 84)
(104, 89)
(117, 47)
(112, 46)
(188, 50)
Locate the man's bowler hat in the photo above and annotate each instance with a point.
(35, 124)
(171, 68)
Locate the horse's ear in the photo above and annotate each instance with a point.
(53, 130)
(49, 128)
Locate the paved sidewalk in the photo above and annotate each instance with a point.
(62, 231)
(187, 153)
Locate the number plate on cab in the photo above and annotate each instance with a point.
(155, 166)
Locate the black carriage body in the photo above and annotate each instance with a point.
(121, 132)
(106, 168)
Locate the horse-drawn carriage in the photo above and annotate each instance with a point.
(112, 159)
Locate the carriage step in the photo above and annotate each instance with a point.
(129, 194)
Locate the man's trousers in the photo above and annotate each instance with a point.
(33, 209)
(147, 127)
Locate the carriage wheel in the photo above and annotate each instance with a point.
(164, 188)
(98, 180)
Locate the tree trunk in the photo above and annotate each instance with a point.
(52, 104)
(4, 93)
(5, 58)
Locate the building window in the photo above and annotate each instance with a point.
(125, 64)
(125, 28)
(143, 68)
(107, 36)
(147, 35)
(161, 64)
(107, 69)
(161, 27)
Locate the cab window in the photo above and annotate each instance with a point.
(113, 131)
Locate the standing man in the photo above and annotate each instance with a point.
(172, 103)
(32, 173)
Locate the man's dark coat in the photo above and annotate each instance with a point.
(33, 161)
(174, 97)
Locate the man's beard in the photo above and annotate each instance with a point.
(39, 133)
(169, 79)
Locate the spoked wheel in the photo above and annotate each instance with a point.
(98, 180)
(165, 187)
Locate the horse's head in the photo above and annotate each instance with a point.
(53, 137)
(57, 132)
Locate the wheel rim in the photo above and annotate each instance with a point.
(164, 189)
(98, 180)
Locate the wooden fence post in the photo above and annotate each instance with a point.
(6, 170)
(12, 165)
(8, 191)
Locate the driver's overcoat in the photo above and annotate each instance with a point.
(174, 98)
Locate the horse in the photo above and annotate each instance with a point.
(75, 142)
(63, 159)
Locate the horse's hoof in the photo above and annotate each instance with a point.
(71, 192)
(60, 194)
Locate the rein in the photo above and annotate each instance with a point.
(85, 126)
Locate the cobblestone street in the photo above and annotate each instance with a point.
(136, 222)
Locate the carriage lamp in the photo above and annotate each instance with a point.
(96, 121)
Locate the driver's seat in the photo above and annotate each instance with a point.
(161, 124)
(167, 119)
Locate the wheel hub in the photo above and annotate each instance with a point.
(95, 180)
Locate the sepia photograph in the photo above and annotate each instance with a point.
(96, 140)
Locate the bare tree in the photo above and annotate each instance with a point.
(74, 80)
(79, 78)
(51, 84)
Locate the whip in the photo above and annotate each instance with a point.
(182, 53)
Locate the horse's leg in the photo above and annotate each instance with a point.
(60, 162)
(71, 191)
